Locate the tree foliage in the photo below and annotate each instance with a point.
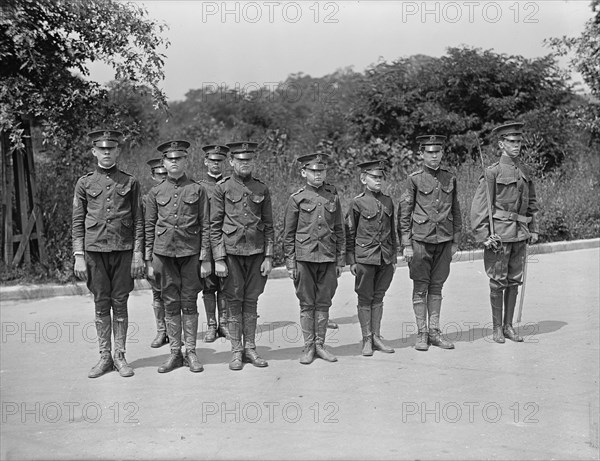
(45, 50)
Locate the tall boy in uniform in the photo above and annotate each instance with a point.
(430, 226)
(314, 249)
(241, 236)
(177, 242)
(212, 294)
(514, 207)
(371, 252)
(108, 239)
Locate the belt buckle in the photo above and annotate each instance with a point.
(512, 216)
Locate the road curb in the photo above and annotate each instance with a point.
(25, 292)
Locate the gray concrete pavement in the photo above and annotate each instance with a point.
(534, 400)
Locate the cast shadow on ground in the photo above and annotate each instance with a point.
(207, 355)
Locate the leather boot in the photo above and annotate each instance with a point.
(222, 305)
(307, 323)
(434, 306)
(332, 325)
(249, 330)
(420, 308)
(210, 306)
(235, 336)
(175, 360)
(496, 303)
(510, 301)
(121, 365)
(190, 331)
(376, 315)
(364, 318)
(236, 362)
(321, 319)
(161, 328)
(120, 333)
(105, 364)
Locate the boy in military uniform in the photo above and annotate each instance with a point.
(158, 173)
(212, 295)
(513, 206)
(314, 249)
(242, 237)
(371, 252)
(430, 226)
(108, 239)
(177, 239)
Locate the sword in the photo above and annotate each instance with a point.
(522, 298)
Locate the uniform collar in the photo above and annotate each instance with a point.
(112, 169)
(177, 181)
(431, 171)
(372, 193)
(509, 160)
(242, 179)
(214, 178)
(313, 188)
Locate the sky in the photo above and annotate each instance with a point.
(251, 44)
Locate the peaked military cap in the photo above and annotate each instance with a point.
(156, 165)
(215, 152)
(373, 167)
(174, 149)
(242, 149)
(512, 131)
(105, 138)
(316, 162)
(431, 142)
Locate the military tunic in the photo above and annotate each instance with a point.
(177, 238)
(108, 225)
(242, 234)
(314, 244)
(430, 221)
(514, 209)
(372, 244)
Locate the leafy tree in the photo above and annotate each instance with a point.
(585, 59)
(464, 93)
(45, 48)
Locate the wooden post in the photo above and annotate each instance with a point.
(7, 198)
(19, 184)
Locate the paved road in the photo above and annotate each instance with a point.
(534, 400)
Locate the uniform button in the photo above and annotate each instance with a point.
(175, 204)
(319, 216)
(175, 215)
(108, 187)
(108, 221)
(108, 199)
(176, 226)
(379, 221)
(319, 203)
(175, 196)
(245, 227)
(245, 204)
(245, 194)
(176, 186)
